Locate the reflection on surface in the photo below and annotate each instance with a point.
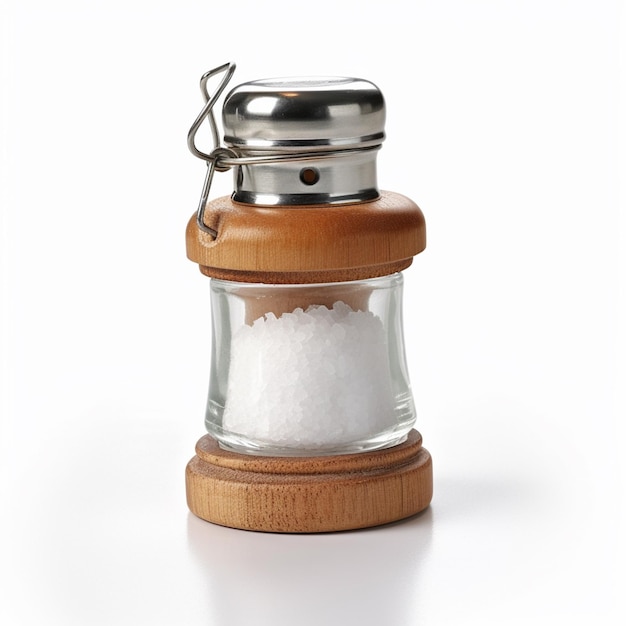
(366, 577)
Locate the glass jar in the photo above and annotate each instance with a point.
(310, 369)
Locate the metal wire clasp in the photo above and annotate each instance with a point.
(213, 159)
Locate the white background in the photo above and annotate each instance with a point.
(503, 125)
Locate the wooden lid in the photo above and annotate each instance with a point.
(307, 244)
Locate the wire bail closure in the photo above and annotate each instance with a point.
(212, 159)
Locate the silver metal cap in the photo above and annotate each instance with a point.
(314, 140)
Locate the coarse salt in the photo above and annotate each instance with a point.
(310, 379)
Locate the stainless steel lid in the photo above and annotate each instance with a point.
(314, 140)
(297, 113)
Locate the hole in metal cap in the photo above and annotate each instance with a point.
(309, 175)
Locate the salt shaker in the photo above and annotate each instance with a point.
(310, 412)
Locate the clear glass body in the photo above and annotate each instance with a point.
(305, 370)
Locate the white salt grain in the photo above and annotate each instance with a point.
(310, 379)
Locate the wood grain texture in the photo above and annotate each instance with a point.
(307, 244)
(312, 494)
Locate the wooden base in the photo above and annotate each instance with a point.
(309, 494)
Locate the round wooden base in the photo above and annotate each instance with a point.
(309, 494)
